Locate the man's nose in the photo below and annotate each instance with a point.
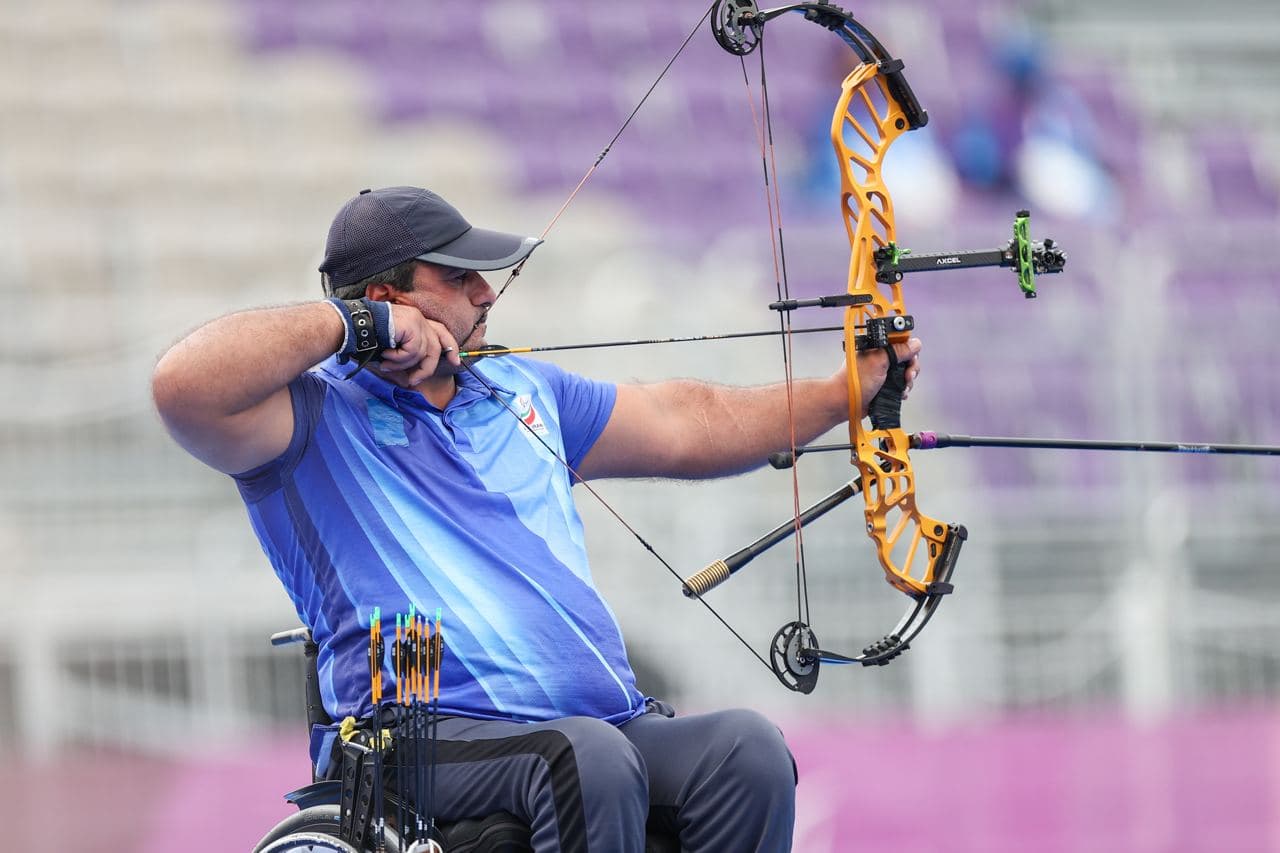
(482, 293)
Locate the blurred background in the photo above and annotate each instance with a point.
(1106, 676)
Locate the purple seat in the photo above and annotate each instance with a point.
(1238, 188)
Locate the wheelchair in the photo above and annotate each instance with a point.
(334, 815)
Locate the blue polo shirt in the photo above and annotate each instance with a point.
(383, 500)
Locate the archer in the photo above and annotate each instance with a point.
(381, 469)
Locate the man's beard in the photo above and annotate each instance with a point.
(475, 336)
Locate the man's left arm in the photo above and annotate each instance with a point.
(690, 430)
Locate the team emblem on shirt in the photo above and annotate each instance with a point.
(529, 415)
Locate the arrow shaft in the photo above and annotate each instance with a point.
(644, 342)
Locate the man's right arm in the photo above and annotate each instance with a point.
(223, 391)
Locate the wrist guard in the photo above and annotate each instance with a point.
(368, 332)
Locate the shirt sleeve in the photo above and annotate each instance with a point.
(585, 406)
(307, 395)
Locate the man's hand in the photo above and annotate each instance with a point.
(424, 348)
(873, 369)
(688, 429)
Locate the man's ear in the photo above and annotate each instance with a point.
(380, 292)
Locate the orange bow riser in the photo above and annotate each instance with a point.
(913, 548)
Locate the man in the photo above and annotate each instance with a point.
(417, 481)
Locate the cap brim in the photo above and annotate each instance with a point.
(479, 249)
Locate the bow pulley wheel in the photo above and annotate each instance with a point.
(736, 25)
(789, 655)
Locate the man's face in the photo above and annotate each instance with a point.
(457, 298)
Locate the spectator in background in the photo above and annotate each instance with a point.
(917, 170)
(1022, 132)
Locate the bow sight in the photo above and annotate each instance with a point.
(1025, 256)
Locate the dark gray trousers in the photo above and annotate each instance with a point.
(725, 781)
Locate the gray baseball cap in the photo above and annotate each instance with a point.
(381, 228)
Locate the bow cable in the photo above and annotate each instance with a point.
(493, 392)
(777, 245)
(515, 271)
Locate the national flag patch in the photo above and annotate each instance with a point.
(529, 415)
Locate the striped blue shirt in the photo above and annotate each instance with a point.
(383, 500)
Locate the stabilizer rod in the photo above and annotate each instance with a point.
(699, 584)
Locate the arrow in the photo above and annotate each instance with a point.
(495, 349)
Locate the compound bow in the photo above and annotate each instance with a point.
(917, 553)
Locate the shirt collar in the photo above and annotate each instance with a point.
(470, 389)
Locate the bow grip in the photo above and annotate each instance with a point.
(885, 409)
